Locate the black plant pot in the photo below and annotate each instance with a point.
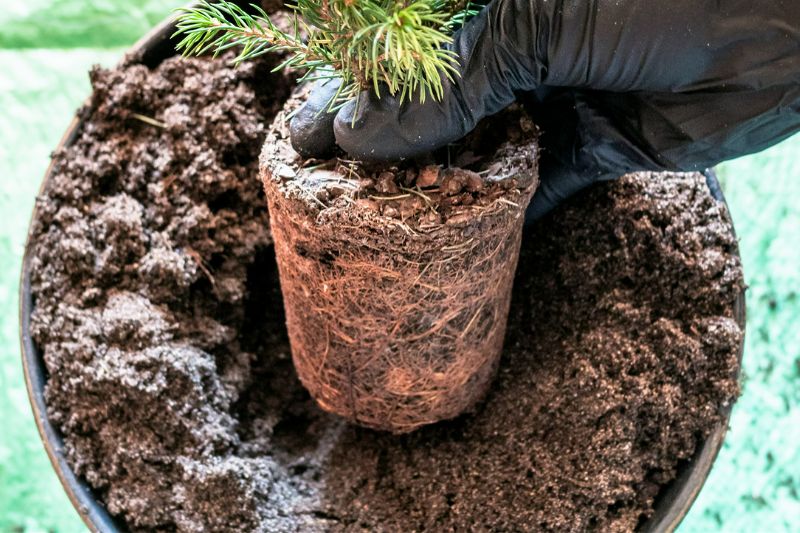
(671, 505)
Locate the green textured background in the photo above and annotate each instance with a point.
(46, 48)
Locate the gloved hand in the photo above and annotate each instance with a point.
(620, 86)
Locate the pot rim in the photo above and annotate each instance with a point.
(672, 503)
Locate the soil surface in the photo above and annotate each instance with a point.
(159, 316)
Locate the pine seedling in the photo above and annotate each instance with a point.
(369, 44)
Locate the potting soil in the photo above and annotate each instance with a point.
(158, 312)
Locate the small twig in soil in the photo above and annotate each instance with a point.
(459, 247)
(471, 321)
(403, 226)
(341, 181)
(351, 167)
(506, 201)
(320, 202)
(167, 182)
(324, 164)
(199, 260)
(424, 197)
(148, 120)
(387, 198)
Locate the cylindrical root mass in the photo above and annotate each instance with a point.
(392, 328)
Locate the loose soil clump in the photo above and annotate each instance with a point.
(159, 316)
(397, 280)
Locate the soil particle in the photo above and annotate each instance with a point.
(428, 176)
(159, 317)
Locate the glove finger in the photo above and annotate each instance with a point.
(311, 128)
(373, 128)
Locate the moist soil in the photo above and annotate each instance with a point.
(159, 316)
(397, 280)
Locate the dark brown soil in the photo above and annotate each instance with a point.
(159, 317)
(397, 280)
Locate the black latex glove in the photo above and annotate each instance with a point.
(621, 85)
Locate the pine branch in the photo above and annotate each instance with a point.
(225, 25)
(366, 43)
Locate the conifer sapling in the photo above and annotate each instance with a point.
(383, 45)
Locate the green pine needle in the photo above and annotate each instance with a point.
(366, 43)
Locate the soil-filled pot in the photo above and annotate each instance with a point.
(157, 360)
(397, 280)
